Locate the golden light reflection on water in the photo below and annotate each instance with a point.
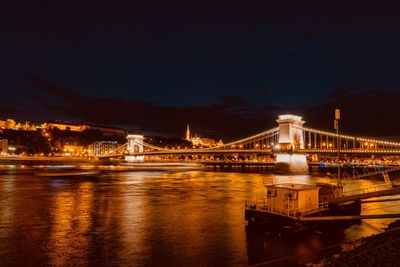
(6, 207)
(133, 223)
(148, 218)
(71, 223)
(206, 207)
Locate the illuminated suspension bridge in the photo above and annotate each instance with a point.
(290, 143)
(289, 137)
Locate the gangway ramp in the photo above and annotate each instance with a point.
(372, 193)
(381, 190)
(376, 173)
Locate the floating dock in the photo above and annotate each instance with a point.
(294, 206)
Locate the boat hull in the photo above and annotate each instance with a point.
(282, 224)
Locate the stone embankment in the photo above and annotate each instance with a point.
(379, 250)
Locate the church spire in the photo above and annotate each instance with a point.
(188, 133)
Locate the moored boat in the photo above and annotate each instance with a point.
(290, 206)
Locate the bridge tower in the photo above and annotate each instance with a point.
(291, 138)
(290, 132)
(135, 145)
(188, 133)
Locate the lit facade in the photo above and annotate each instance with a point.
(205, 141)
(3, 146)
(102, 147)
(73, 150)
(66, 126)
(8, 124)
(202, 141)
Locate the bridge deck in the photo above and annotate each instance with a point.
(263, 151)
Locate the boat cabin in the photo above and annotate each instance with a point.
(291, 198)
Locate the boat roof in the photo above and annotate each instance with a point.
(326, 185)
(292, 186)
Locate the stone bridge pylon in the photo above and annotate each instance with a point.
(134, 146)
(291, 138)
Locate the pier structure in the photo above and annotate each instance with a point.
(292, 206)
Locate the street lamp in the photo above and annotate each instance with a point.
(338, 141)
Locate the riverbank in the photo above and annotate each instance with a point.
(58, 161)
(378, 250)
(44, 158)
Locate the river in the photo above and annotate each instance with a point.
(121, 216)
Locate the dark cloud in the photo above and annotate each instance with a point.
(299, 38)
(364, 112)
(265, 92)
(230, 117)
(189, 54)
(9, 110)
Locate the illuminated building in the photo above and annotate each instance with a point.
(202, 141)
(26, 126)
(79, 127)
(102, 147)
(8, 124)
(60, 125)
(73, 150)
(12, 124)
(220, 143)
(205, 142)
(65, 126)
(3, 146)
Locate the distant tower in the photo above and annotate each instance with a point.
(188, 133)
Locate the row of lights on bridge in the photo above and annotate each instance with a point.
(331, 145)
(352, 137)
(277, 146)
(257, 145)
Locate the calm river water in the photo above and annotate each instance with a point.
(119, 216)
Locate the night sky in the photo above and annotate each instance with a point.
(227, 69)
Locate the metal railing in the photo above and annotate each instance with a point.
(376, 188)
(376, 172)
